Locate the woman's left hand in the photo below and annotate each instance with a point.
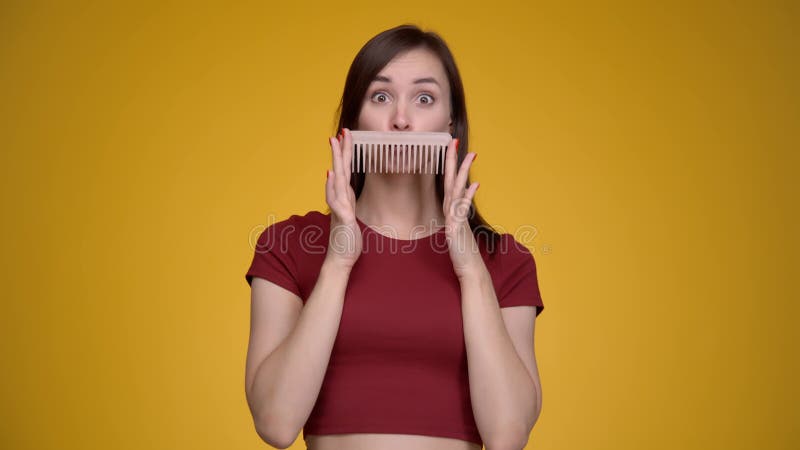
(461, 242)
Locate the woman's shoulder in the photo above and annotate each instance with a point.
(513, 270)
(502, 249)
(295, 229)
(302, 220)
(296, 234)
(313, 225)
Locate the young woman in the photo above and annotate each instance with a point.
(399, 319)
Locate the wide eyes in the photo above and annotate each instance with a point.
(383, 97)
(425, 99)
(380, 97)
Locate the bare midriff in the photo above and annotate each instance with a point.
(385, 441)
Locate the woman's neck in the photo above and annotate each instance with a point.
(406, 203)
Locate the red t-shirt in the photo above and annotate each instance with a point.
(399, 362)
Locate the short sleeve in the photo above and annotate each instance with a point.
(519, 284)
(273, 257)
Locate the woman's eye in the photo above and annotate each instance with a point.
(380, 97)
(425, 99)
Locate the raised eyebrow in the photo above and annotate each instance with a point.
(426, 80)
(417, 81)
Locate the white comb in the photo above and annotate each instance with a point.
(399, 151)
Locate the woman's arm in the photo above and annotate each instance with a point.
(506, 398)
(287, 382)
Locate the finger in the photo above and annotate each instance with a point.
(329, 192)
(470, 194)
(336, 154)
(347, 154)
(463, 173)
(450, 165)
(459, 209)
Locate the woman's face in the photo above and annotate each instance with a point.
(412, 93)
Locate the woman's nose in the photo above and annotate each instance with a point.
(400, 121)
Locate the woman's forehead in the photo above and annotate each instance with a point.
(414, 65)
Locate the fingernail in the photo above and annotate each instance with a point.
(326, 175)
(457, 142)
(475, 157)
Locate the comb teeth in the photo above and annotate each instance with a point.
(399, 151)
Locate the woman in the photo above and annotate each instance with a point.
(417, 337)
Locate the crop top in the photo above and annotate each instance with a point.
(399, 362)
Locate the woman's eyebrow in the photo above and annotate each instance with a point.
(417, 81)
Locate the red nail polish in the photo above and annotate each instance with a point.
(457, 142)
(327, 175)
(475, 157)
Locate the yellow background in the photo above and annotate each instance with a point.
(654, 150)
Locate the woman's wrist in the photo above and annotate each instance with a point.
(332, 264)
(477, 275)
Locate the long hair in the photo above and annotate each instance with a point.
(369, 61)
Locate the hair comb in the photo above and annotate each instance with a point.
(399, 151)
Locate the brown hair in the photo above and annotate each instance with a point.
(370, 60)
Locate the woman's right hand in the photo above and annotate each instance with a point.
(344, 243)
